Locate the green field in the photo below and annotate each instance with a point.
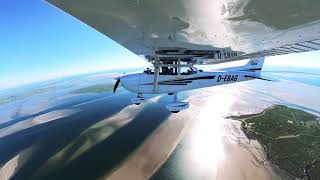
(290, 137)
(99, 88)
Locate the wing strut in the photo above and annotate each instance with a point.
(179, 67)
(156, 75)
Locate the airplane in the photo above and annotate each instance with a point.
(176, 35)
(172, 79)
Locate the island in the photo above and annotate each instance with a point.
(290, 139)
(98, 88)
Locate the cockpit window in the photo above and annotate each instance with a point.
(168, 71)
(187, 71)
(171, 71)
(148, 71)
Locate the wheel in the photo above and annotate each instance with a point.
(170, 94)
(175, 111)
(137, 103)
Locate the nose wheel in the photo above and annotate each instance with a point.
(177, 106)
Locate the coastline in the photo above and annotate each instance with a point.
(259, 149)
(246, 153)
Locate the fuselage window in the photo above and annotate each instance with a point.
(172, 71)
(187, 71)
(148, 71)
(168, 71)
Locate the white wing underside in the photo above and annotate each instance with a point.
(201, 29)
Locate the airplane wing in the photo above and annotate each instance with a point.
(203, 31)
(299, 47)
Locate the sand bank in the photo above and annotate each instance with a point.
(156, 149)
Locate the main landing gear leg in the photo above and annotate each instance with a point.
(138, 100)
(175, 97)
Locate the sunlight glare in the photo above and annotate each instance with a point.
(210, 128)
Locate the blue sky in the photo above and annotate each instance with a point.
(39, 42)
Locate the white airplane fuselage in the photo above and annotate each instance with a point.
(144, 83)
(172, 81)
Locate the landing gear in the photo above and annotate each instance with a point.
(138, 100)
(176, 106)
